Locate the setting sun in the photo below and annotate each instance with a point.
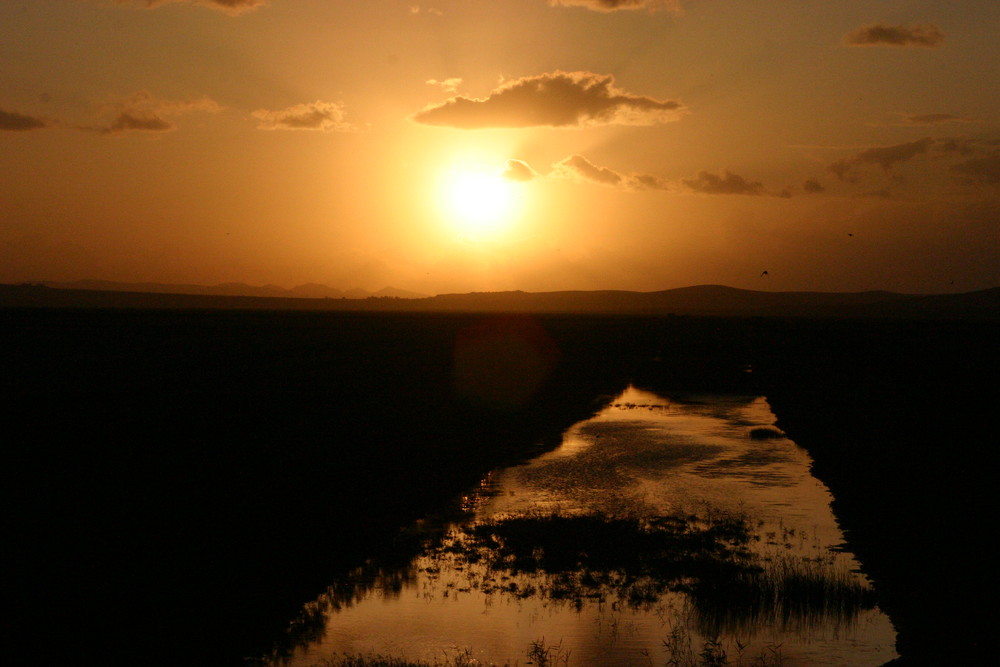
(479, 203)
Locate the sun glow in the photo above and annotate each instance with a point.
(479, 203)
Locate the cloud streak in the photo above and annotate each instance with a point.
(980, 165)
(927, 36)
(983, 170)
(315, 116)
(579, 168)
(918, 120)
(145, 113)
(449, 85)
(11, 121)
(619, 5)
(727, 184)
(519, 170)
(229, 6)
(555, 99)
(885, 157)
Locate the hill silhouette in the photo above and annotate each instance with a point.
(306, 291)
(701, 300)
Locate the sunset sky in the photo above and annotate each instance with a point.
(471, 145)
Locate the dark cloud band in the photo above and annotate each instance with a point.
(726, 184)
(896, 35)
(618, 5)
(16, 122)
(228, 6)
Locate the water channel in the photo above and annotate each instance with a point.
(664, 530)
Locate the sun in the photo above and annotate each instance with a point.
(479, 203)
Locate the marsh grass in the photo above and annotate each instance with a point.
(631, 561)
(788, 591)
(683, 650)
(538, 654)
(463, 659)
(731, 588)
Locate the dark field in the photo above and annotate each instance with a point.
(178, 483)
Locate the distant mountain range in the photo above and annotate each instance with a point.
(702, 300)
(306, 291)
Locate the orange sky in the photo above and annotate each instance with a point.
(464, 145)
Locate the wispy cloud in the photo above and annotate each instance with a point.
(726, 184)
(917, 120)
(11, 121)
(619, 5)
(812, 186)
(979, 165)
(577, 167)
(556, 99)
(895, 35)
(316, 116)
(144, 112)
(884, 156)
(126, 121)
(983, 170)
(519, 170)
(449, 85)
(228, 6)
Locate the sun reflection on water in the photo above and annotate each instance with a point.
(659, 526)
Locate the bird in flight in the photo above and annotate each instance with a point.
(764, 274)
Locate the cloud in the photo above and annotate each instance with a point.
(417, 9)
(11, 121)
(143, 112)
(519, 170)
(895, 35)
(619, 5)
(883, 156)
(812, 186)
(317, 116)
(648, 182)
(556, 99)
(579, 168)
(979, 165)
(127, 121)
(980, 171)
(449, 85)
(229, 6)
(958, 145)
(910, 120)
(881, 193)
(727, 184)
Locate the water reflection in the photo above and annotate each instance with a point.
(664, 530)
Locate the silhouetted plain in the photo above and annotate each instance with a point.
(179, 482)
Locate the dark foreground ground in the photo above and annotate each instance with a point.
(177, 483)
